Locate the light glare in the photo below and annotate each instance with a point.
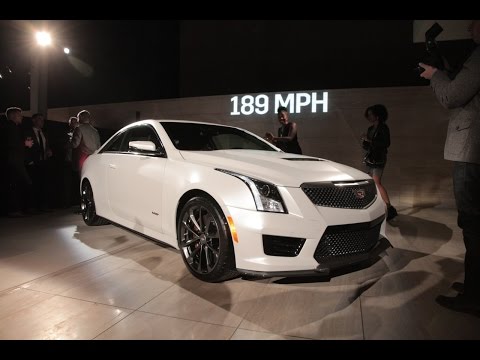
(43, 38)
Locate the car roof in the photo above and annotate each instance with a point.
(192, 122)
(181, 122)
(146, 121)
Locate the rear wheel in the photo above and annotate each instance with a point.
(87, 204)
(204, 239)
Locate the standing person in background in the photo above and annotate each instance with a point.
(376, 142)
(287, 133)
(38, 164)
(20, 184)
(85, 139)
(70, 176)
(462, 146)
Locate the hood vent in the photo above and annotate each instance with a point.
(302, 159)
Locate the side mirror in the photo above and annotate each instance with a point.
(146, 147)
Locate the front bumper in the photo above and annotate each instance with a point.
(327, 267)
(311, 224)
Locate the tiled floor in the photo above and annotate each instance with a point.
(60, 279)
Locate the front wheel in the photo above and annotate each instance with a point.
(89, 212)
(204, 240)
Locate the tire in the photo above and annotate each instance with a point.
(87, 204)
(205, 242)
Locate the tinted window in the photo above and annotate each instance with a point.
(115, 144)
(191, 136)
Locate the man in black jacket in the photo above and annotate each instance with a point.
(38, 164)
(20, 184)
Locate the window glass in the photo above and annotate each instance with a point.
(204, 137)
(115, 144)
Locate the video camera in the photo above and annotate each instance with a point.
(433, 56)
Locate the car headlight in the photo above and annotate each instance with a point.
(266, 195)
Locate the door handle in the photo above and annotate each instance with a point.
(112, 166)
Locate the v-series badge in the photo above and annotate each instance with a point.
(294, 102)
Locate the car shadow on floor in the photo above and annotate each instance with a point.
(422, 235)
(417, 227)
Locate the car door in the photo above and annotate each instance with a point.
(135, 180)
(108, 154)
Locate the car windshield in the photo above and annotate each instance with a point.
(204, 137)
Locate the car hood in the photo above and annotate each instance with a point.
(279, 168)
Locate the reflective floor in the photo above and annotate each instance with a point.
(60, 279)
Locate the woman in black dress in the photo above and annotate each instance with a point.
(287, 134)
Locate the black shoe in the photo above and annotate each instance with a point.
(458, 287)
(391, 212)
(460, 303)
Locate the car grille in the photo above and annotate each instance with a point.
(344, 240)
(347, 195)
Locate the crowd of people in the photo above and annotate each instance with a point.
(30, 162)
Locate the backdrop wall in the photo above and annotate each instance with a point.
(415, 175)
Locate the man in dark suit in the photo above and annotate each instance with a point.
(19, 182)
(462, 95)
(37, 161)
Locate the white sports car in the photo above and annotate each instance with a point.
(232, 202)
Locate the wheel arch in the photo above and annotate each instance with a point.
(190, 194)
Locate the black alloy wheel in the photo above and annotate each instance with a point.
(205, 242)
(87, 204)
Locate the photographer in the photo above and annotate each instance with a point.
(462, 145)
(376, 142)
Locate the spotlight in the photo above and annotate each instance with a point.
(43, 38)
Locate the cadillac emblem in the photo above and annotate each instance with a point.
(359, 193)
